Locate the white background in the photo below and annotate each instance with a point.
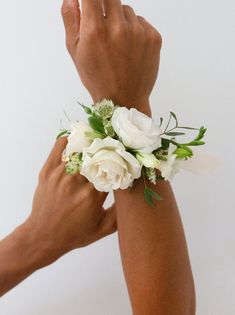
(196, 80)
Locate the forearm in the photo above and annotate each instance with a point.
(19, 258)
(154, 253)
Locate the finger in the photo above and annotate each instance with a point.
(109, 223)
(55, 157)
(72, 17)
(113, 9)
(129, 14)
(92, 9)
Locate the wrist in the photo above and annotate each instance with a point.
(28, 246)
(142, 105)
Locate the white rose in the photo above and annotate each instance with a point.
(136, 130)
(109, 166)
(170, 167)
(78, 140)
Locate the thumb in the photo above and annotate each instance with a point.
(109, 223)
(71, 15)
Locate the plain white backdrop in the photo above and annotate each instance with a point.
(196, 80)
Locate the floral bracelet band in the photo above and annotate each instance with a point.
(119, 145)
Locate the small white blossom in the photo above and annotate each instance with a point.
(147, 159)
(151, 174)
(170, 167)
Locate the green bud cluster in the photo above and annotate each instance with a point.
(72, 167)
(104, 109)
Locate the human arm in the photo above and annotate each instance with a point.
(67, 214)
(118, 58)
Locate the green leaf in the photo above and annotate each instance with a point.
(188, 128)
(155, 195)
(150, 196)
(201, 134)
(196, 143)
(173, 134)
(62, 133)
(185, 147)
(182, 153)
(96, 124)
(87, 109)
(161, 121)
(175, 117)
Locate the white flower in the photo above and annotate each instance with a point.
(78, 140)
(109, 166)
(170, 167)
(147, 159)
(136, 130)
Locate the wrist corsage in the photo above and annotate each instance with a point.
(119, 145)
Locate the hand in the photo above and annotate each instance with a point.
(67, 212)
(116, 56)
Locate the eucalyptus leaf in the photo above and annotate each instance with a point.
(161, 121)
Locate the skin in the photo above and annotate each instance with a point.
(67, 213)
(124, 50)
(152, 242)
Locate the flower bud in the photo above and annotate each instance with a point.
(147, 159)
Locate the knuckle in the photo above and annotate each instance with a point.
(141, 18)
(42, 175)
(86, 193)
(127, 8)
(53, 177)
(155, 38)
(138, 31)
(95, 32)
(120, 30)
